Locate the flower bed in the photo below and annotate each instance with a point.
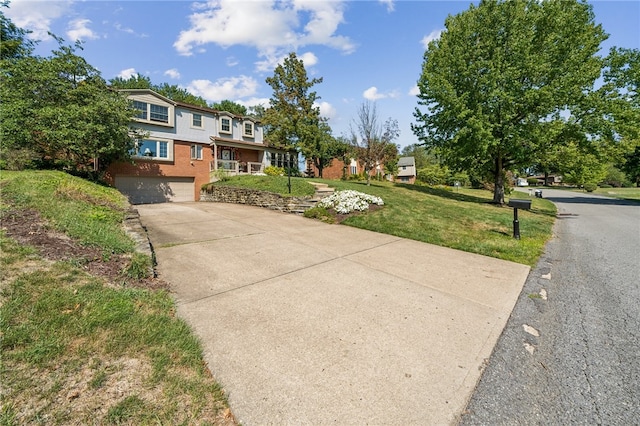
(348, 201)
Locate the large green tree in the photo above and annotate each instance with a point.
(291, 118)
(58, 112)
(292, 121)
(14, 41)
(499, 75)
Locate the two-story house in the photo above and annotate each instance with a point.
(185, 146)
(406, 170)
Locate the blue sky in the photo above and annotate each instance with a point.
(224, 49)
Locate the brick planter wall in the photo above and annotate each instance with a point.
(253, 197)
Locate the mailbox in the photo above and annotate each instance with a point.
(520, 204)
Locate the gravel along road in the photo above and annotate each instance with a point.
(570, 353)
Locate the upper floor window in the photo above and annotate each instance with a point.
(142, 109)
(196, 152)
(225, 125)
(152, 149)
(196, 120)
(159, 113)
(248, 129)
(152, 112)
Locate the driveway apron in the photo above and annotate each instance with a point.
(308, 323)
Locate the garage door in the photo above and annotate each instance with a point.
(147, 190)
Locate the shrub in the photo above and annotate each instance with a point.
(590, 187)
(532, 181)
(274, 171)
(220, 175)
(348, 201)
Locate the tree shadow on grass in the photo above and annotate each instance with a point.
(452, 195)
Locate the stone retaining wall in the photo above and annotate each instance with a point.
(253, 197)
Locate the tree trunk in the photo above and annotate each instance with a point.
(498, 187)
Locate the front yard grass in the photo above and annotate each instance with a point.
(462, 219)
(81, 347)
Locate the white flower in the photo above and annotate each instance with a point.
(347, 201)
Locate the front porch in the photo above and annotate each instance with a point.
(235, 167)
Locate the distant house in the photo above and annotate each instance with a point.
(549, 180)
(406, 170)
(185, 146)
(340, 168)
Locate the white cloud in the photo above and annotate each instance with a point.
(326, 110)
(272, 27)
(119, 27)
(372, 94)
(224, 88)
(128, 73)
(433, 35)
(390, 4)
(308, 59)
(251, 102)
(37, 17)
(78, 29)
(232, 61)
(414, 91)
(172, 73)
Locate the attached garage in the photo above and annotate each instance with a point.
(148, 190)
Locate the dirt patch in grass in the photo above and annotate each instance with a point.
(87, 384)
(28, 228)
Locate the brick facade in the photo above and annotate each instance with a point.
(181, 166)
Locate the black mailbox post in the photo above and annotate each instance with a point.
(518, 204)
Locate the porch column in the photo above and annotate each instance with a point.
(215, 156)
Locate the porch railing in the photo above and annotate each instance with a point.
(234, 167)
(255, 167)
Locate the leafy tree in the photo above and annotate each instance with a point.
(61, 111)
(256, 111)
(137, 81)
(372, 141)
(631, 165)
(579, 167)
(230, 106)
(179, 94)
(14, 41)
(292, 119)
(501, 74)
(622, 77)
(171, 91)
(321, 147)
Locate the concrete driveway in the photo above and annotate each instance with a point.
(308, 323)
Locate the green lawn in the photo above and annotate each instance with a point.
(79, 348)
(622, 193)
(463, 219)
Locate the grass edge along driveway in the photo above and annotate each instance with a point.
(461, 219)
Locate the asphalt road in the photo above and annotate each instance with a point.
(570, 353)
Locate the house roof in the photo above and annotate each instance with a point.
(406, 161)
(243, 144)
(185, 105)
